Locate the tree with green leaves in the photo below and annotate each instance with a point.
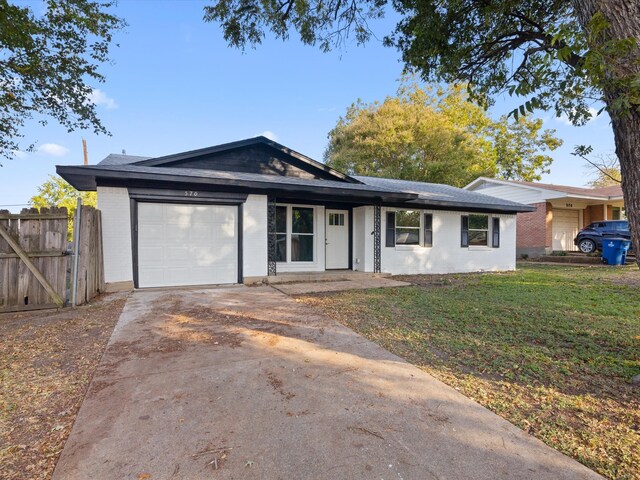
(49, 65)
(435, 135)
(56, 192)
(554, 54)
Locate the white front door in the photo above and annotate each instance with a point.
(182, 244)
(337, 239)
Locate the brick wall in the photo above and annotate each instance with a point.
(586, 216)
(593, 213)
(533, 230)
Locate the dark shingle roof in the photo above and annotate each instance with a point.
(389, 191)
(242, 176)
(118, 159)
(436, 192)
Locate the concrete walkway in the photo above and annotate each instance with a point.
(247, 383)
(303, 288)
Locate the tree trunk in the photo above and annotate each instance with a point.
(624, 19)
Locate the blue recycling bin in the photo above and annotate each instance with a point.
(614, 250)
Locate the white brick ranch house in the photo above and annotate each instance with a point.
(246, 210)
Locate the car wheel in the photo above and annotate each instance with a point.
(587, 246)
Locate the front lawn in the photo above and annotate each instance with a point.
(550, 348)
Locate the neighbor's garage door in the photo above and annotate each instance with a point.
(566, 224)
(187, 244)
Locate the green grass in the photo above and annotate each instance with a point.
(550, 348)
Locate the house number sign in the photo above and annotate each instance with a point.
(190, 193)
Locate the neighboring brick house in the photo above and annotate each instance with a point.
(561, 211)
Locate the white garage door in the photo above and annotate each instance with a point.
(566, 224)
(187, 244)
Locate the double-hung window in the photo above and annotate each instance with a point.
(475, 231)
(478, 230)
(409, 227)
(294, 234)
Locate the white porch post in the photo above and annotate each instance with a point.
(604, 213)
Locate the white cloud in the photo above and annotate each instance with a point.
(53, 149)
(565, 119)
(98, 97)
(326, 109)
(270, 135)
(19, 154)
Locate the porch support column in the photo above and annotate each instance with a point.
(271, 236)
(604, 212)
(376, 238)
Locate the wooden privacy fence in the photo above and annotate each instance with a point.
(90, 278)
(35, 267)
(33, 263)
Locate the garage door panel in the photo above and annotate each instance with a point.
(175, 234)
(154, 213)
(151, 276)
(566, 224)
(155, 232)
(203, 232)
(177, 254)
(150, 254)
(189, 245)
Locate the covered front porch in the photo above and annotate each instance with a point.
(315, 240)
(569, 215)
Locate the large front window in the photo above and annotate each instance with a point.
(294, 234)
(479, 230)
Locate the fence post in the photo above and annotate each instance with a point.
(76, 252)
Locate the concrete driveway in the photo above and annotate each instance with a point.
(244, 382)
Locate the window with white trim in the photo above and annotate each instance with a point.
(478, 230)
(302, 234)
(336, 219)
(295, 234)
(407, 227)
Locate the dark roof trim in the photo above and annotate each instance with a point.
(85, 178)
(88, 177)
(471, 206)
(154, 162)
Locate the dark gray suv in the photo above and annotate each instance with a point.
(589, 239)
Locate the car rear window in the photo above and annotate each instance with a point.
(622, 226)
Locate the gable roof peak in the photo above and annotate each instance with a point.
(259, 140)
(613, 191)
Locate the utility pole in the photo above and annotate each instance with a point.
(84, 150)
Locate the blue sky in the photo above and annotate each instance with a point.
(174, 85)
